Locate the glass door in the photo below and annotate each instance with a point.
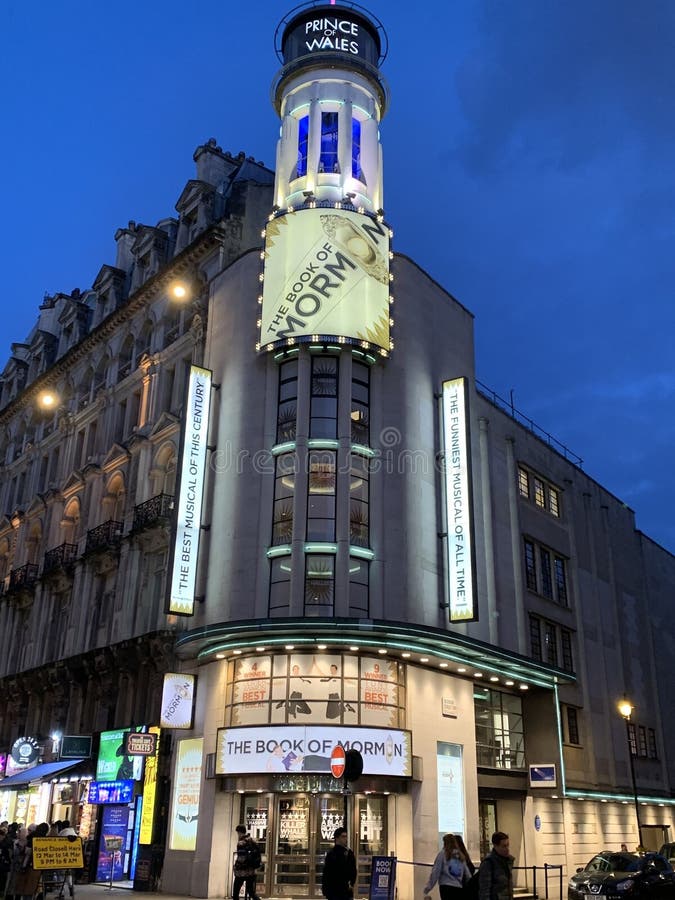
(372, 832)
(291, 864)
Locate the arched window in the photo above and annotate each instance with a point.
(70, 523)
(164, 470)
(114, 500)
(34, 542)
(126, 358)
(144, 341)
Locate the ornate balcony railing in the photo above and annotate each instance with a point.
(153, 511)
(59, 557)
(24, 577)
(104, 536)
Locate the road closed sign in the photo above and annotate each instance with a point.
(57, 853)
(337, 761)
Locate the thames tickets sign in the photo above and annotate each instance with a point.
(326, 276)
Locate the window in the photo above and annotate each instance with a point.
(500, 740)
(323, 408)
(356, 151)
(319, 584)
(360, 409)
(551, 581)
(530, 566)
(328, 160)
(572, 725)
(288, 401)
(642, 740)
(551, 643)
(358, 501)
(280, 585)
(303, 135)
(632, 739)
(358, 586)
(284, 488)
(321, 499)
(651, 744)
(539, 491)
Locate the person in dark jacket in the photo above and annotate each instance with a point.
(339, 869)
(495, 877)
(244, 872)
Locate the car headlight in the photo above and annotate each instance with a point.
(624, 886)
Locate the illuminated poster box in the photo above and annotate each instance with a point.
(181, 593)
(459, 504)
(326, 276)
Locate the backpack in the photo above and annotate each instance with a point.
(253, 857)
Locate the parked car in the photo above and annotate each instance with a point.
(668, 850)
(624, 875)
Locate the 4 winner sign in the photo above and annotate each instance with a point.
(326, 275)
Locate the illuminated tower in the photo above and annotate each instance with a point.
(330, 97)
(326, 258)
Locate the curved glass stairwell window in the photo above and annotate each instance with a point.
(321, 495)
(324, 397)
(360, 406)
(284, 491)
(359, 535)
(319, 584)
(287, 407)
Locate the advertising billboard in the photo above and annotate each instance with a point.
(326, 276)
(185, 800)
(459, 510)
(185, 550)
(338, 30)
(308, 748)
(177, 700)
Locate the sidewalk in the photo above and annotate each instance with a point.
(120, 891)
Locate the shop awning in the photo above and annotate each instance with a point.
(42, 772)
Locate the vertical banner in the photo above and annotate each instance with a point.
(186, 791)
(450, 788)
(185, 550)
(149, 792)
(459, 507)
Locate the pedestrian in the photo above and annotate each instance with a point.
(339, 869)
(246, 862)
(467, 858)
(495, 876)
(449, 870)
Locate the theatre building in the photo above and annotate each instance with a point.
(353, 543)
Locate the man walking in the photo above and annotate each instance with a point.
(339, 869)
(495, 878)
(246, 862)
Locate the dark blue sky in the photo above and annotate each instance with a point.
(528, 168)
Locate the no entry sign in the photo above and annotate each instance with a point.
(337, 761)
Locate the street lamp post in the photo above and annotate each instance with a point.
(626, 708)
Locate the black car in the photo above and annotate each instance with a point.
(615, 876)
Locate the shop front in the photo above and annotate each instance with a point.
(294, 830)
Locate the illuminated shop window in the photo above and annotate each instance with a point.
(358, 586)
(321, 495)
(360, 409)
(359, 531)
(328, 160)
(303, 134)
(284, 489)
(319, 584)
(356, 151)
(500, 741)
(327, 688)
(287, 407)
(323, 409)
(280, 585)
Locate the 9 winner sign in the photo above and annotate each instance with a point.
(326, 276)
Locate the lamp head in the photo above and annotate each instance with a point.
(625, 707)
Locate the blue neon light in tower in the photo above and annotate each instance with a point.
(330, 97)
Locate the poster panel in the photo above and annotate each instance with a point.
(326, 275)
(185, 800)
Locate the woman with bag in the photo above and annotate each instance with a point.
(449, 870)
